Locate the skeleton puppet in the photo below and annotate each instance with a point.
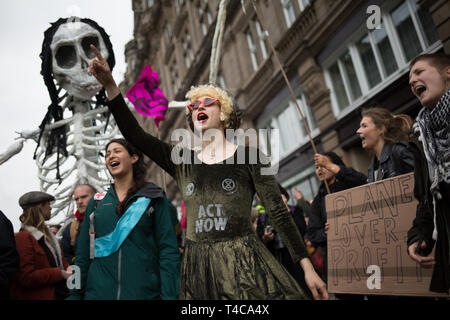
(69, 150)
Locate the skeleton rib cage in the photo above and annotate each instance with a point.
(85, 163)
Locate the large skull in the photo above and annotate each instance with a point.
(71, 55)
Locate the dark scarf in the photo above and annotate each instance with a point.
(433, 127)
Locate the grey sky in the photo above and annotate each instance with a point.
(24, 98)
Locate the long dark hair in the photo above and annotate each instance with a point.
(334, 158)
(57, 136)
(139, 171)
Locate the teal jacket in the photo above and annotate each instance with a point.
(147, 265)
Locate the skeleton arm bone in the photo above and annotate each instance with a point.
(12, 150)
(28, 134)
(17, 146)
(178, 104)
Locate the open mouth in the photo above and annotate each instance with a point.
(420, 89)
(202, 117)
(363, 139)
(114, 164)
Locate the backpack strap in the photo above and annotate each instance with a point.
(97, 198)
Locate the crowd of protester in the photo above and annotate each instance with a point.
(137, 235)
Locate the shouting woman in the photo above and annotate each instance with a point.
(127, 248)
(385, 136)
(223, 259)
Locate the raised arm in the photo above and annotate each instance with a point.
(349, 176)
(158, 151)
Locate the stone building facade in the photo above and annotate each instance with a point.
(337, 64)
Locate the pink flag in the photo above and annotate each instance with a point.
(147, 97)
(183, 216)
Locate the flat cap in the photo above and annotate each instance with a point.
(33, 198)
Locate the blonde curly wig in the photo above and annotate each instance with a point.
(210, 90)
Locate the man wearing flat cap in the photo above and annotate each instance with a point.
(43, 269)
(33, 198)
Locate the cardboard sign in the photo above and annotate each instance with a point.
(367, 250)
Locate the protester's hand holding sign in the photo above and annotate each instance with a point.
(414, 252)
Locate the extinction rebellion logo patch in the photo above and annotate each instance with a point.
(190, 188)
(229, 186)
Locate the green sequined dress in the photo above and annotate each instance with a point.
(223, 258)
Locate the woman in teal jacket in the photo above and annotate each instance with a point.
(128, 248)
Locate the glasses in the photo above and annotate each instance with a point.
(206, 102)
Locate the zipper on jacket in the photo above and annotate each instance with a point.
(119, 272)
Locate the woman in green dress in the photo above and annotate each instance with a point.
(223, 259)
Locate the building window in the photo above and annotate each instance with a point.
(176, 82)
(303, 4)
(168, 31)
(369, 63)
(384, 49)
(379, 56)
(289, 13)
(258, 47)
(426, 21)
(338, 85)
(290, 131)
(205, 17)
(209, 16)
(187, 50)
(262, 38)
(252, 49)
(292, 9)
(178, 5)
(414, 27)
(150, 3)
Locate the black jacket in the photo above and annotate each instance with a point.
(423, 224)
(346, 178)
(299, 219)
(395, 159)
(68, 250)
(9, 258)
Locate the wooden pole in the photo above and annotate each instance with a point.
(260, 18)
